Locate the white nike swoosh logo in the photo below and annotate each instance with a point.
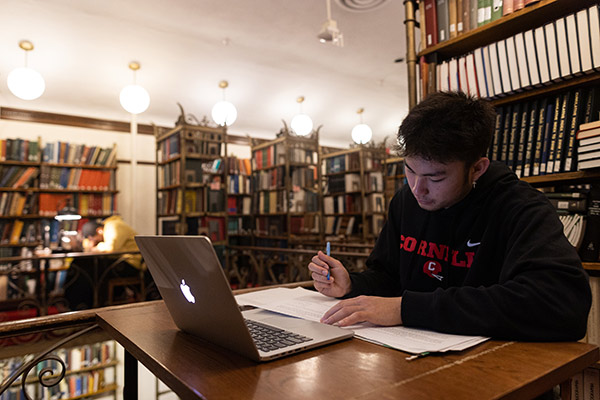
(469, 244)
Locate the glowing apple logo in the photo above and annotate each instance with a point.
(185, 289)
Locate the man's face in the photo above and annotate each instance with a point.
(436, 185)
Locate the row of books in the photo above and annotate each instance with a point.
(17, 203)
(203, 200)
(303, 201)
(196, 171)
(588, 149)
(341, 225)
(76, 178)
(270, 226)
(239, 205)
(75, 384)
(341, 204)
(350, 162)
(306, 224)
(538, 137)
(306, 177)
(16, 232)
(195, 200)
(87, 204)
(169, 174)
(239, 226)
(269, 202)
(17, 177)
(213, 227)
(585, 384)
(265, 158)
(348, 203)
(271, 179)
(195, 142)
(76, 154)
(445, 19)
(19, 150)
(341, 163)
(342, 183)
(239, 184)
(276, 154)
(394, 169)
(239, 166)
(556, 51)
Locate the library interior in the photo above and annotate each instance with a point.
(272, 129)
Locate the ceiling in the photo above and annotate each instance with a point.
(266, 49)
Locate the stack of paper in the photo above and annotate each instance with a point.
(311, 305)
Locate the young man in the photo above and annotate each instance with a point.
(467, 247)
(113, 234)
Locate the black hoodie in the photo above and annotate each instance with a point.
(495, 264)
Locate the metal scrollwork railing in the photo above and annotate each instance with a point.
(47, 377)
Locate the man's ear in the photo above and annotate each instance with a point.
(479, 168)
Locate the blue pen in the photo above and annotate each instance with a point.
(328, 251)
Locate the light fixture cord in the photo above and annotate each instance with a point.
(328, 9)
(134, 77)
(224, 94)
(25, 57)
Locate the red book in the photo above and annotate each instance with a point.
(518, 4)
(431, 24)
(507, 7)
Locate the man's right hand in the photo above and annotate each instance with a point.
(338, 284)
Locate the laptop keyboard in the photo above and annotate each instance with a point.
(269, 338)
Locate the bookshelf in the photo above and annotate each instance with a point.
(191, 181)
(36, 181)
(353, 194)
(91, 371)
(286, 199)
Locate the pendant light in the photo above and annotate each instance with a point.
(134, 98)
(302, 125)
(24, 82)
(224, 112)
(361, 133)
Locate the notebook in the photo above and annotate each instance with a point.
(192, 283)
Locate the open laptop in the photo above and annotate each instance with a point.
(190, 279)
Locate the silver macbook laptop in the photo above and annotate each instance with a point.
(190, 279)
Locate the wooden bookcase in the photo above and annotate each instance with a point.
(353, 194)
(191, 181)
(36, 181)
(286, 199)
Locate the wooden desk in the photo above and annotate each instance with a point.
(352, 369)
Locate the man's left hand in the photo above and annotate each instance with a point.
(383, 311)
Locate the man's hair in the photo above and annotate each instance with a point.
(89, 228)
(448, 126)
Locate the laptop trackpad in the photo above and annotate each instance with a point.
(304, 327)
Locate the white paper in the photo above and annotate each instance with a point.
(311, 305)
